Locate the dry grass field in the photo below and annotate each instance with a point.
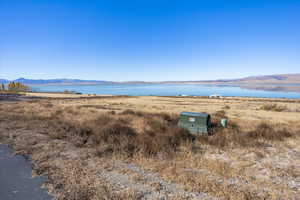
(112, 147)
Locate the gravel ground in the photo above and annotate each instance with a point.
(165, 191)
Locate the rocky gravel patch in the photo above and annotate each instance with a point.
(166, 190)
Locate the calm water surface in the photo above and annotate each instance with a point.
(165, 90)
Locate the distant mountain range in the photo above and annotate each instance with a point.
(280, 78)
(52, 81)
(4, 81)
(265, 79)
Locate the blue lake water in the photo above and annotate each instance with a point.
(165, 90)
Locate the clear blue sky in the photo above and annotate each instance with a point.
(148, 40)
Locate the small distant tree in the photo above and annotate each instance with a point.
(17, 87)
(2, 87)
(11, 86)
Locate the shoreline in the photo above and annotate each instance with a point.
(230, 90)
(27, 96)
(74, 95)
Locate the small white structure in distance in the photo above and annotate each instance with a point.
(217, 96)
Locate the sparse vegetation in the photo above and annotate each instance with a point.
(233, 136)
(71, 92)
(273, 107)
(227, 107)
(114, 134)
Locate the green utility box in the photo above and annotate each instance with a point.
(196, 123)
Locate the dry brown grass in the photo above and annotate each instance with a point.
(147, 137)
(115, 135)
(112, 133)
(233, 136)
(273, 107)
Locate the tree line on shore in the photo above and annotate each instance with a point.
(14, 87)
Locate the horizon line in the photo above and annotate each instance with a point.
(211, 80)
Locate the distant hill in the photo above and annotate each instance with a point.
(4, 81)
(280, 78)
(265, 79)
(53, 81)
